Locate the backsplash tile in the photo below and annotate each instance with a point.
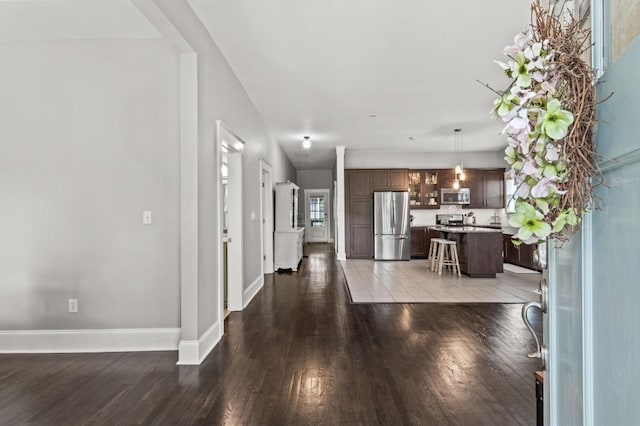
(483, 216)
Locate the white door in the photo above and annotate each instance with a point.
(317, 215)
(266, 217)
(230, 212)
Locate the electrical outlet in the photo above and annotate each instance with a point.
(73, 305)
(146, 217)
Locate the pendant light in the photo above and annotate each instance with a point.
(461, 175)
(459, 168)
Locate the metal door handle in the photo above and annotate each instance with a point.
(541, 351)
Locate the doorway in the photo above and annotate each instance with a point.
(317, 220)
(230, 263)
(266, 216)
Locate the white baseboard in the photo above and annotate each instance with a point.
(193, 352)
(92, 340)
(252, 290)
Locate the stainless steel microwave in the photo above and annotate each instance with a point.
(455, 196)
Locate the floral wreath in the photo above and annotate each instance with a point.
(548, 111)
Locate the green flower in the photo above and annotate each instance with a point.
(556, 121)
(511, 156)
(566, 217)
(529, 221)
(522, 71)
(504, 105)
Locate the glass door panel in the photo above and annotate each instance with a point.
(415, 189)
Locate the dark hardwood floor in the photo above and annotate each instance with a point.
(299, 354)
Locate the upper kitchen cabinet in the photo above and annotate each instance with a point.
(486, 188)
(494, 188)
(423, 189)
(360, 183)
(389, 179)
(474, 181)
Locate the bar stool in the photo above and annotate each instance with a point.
(432, 257)
(447, 256)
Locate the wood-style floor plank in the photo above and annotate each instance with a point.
(299, 354)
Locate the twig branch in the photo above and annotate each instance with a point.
(490, 88)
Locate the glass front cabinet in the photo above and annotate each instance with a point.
(423, 189)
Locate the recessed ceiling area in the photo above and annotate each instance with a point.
(34, 20)
(368, 74)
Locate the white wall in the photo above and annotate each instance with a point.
(88, 140)
(359, 159)
(315, 179)
(222, 97)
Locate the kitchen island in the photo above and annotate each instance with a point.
(479, 249)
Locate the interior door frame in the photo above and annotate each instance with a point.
(266, 217)
(327, 193)
(227, 139)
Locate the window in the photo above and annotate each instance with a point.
(316, 211)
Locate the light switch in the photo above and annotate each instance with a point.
(253, 215)
(146, 217)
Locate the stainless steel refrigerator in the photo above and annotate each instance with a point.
(392, 231)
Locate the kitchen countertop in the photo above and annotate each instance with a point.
(505, 229)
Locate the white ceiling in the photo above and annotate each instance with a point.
(33, 20)
(322, 68)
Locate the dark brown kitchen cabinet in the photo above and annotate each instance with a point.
(359, 214)
(359, 187)
(424, 189)
(478, 252)
(522, 255)
(361, 242)
(486, 188)
(473, 180)
(419, 247)
(493, 187)
(421, 241)
(510, 251)
(389, 179)
(359, 183)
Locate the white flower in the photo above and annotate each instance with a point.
(523, 95)
(552, 153)
(519, 43)
(523, 190)
(544, 187)
(517, 123)
(532, 53)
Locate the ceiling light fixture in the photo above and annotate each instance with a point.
(459, 168)
(306, 143)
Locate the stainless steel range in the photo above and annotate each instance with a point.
(450, 219)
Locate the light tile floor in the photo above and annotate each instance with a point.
(372, 281)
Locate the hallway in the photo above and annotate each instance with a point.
(300, 353)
